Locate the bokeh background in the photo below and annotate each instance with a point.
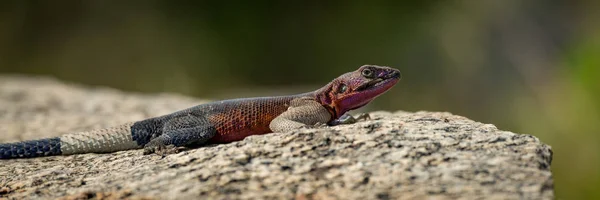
(526, 66)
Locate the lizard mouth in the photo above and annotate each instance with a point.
(379, 82)
(371, 84)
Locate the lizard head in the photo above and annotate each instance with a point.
(355, 89)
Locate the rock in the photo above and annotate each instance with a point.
(398, 155)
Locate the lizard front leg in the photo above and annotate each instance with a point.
(301, 113)
(181, 131)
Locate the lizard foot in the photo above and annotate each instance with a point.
(349, 119)
(160, 148)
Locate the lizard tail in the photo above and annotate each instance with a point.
(30, 149)
(107, 140)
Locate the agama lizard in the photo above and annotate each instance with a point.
(223, 121)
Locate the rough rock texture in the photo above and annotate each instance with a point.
(394, 155)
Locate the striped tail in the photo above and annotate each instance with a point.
(107, 140)
(31, 149)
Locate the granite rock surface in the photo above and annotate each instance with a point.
(395, 155)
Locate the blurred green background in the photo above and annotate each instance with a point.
(527, 66)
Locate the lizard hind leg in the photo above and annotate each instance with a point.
(181, 131)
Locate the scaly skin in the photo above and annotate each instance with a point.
(223, 121)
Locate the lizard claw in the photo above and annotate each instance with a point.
(363, 116)
(319, 125)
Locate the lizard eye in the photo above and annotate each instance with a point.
(342, 88)
(367, 72)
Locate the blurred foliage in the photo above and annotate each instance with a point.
(527, 66)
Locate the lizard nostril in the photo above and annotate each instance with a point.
(397, 74)
(393, 74)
